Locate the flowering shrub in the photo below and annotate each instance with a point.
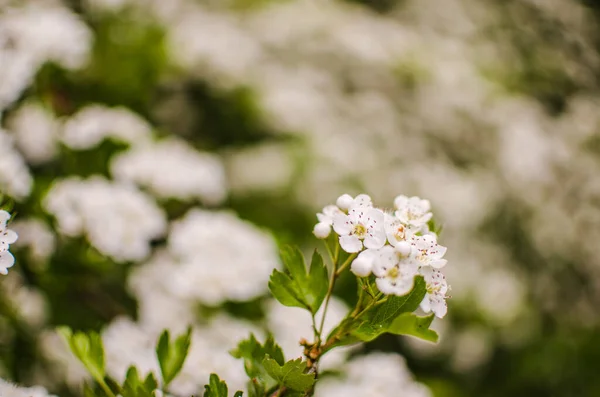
(397, 258)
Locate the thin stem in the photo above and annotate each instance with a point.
(345, 264)
(329, 292)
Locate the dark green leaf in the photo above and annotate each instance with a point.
(413, 325)
(171, 356)
(299, 288)
(291, 374)
(386, 313)
(253, 354)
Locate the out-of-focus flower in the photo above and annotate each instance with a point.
(290, 324)
(118, 220)
(35, 130)
(373, 375)
(15, 179)
(10, 390)
(173, 169)
(95, 123)
(220, 257)
(7, 237)
(36, 236)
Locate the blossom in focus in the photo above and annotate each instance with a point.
(362, 226)
(429, 252)
(412, 211)
(323, 228)
(346, 202)
(435, 298)
(395, 273)
(7, 237)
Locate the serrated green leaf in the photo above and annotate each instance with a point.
(253, 354)
(216, 387)
(150, 383)
(88, 349)
(386, 313)
(291, 374)
(300, 288)
(171, 356)
(413, 325)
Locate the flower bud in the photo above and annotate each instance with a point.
(403, 248)
(322, 230)
(362, 266)
(344, 202)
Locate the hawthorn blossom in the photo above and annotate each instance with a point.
(362, 266)
(428, 251)
(397, 231)
(323, 228)
(7, 237)
(395, 272)
(346, 202)
(435, 298)
(362, 226)
(412, 211)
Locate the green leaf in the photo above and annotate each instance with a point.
(171, 356)
(215, 388)
(299, 288)
(253, 354)
(413, 325)
(291, 374)
(88, 349)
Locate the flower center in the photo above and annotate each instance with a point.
(434, 288)
(400, 233)
(393, 272)
(359, 230)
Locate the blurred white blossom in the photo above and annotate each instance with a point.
(220, 257)
(118, 220)
(173, 169)
(11, 390)
(374, 374)
(95, 123)
(15, 178)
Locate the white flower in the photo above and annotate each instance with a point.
(362, 266)
(219, 257)
(15, 179)
(323, 228)
(346, 202)
(435, 298)
(397, 231)
(9, 390)
(7, 237)
(412, 211)
(363, 225)
(428, 251)
(173, 169)
(395, 273)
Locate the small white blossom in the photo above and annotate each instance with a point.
(322, 230)
(397, 231)
(10, 390)
(435, 298)
(362, 225)
(395, 273)
(7, 237)
(362, 266)
(429, 252)
(346, 202)
(412, 211)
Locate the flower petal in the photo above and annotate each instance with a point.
(341, 224)
(350, 244)
(9, 236)
(6, 261)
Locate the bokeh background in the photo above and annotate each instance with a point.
(158, 152)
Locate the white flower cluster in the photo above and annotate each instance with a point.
(10, 390)
(15, 179)
(173, 169)
(219, 257)
(32, 35)
(118, 220)
(95, 123)
(7, 237)
(394, 246)
(373, 375)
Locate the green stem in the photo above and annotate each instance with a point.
(345, 264)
